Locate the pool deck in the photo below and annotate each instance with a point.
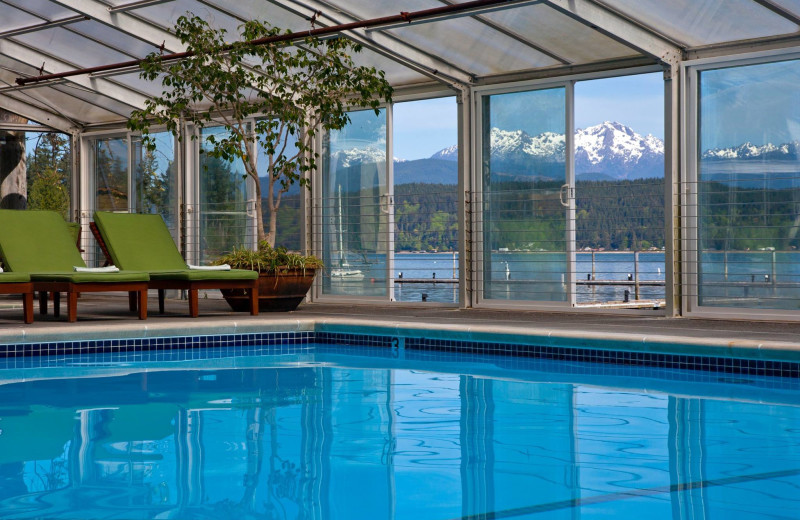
(107, 317)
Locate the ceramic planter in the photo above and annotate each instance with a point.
(277, 292)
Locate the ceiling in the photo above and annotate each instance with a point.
(484, 44)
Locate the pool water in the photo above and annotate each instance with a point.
(351, 433)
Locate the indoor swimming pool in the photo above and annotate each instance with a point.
(321, 431)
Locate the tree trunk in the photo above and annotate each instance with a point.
(13, 171)
(253, 172)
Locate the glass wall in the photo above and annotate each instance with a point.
(748, 187)
(155, 180)
(49, 171)
(289, 228)
(223, 205)
(111, 174)
(524, 201)
(619, 191)
(425, 150)
(355, 207)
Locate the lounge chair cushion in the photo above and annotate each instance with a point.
(37, 241)
(7, 277)
(142, 242)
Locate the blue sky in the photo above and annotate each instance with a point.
(422, 128)
(759, 104)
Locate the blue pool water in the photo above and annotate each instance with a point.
(353, 433)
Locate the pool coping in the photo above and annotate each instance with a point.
(503, 337)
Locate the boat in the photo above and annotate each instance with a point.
(345, 270)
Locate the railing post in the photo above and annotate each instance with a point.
(772, 277)
(636, 275)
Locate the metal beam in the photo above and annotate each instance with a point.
(38, 114)
(515, 35)
(82, 34)
(136, 5)
(105, 87)
(17, 88)
(556, 71)
(619, 28)
(450, 16)
(384, 44)
(125, 22)
(781, 11)
(20, 127)
(752, 45)
(44, 25)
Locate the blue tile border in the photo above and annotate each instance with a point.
(177, 348)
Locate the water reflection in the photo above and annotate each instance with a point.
(326, 442)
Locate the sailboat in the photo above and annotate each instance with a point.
(345, 271)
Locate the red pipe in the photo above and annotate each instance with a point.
(407, 17)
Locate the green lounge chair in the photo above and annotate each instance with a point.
(39, 243)
(142, 242)
(19, 283)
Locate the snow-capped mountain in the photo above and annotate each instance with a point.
(606, 150)
(447, 154)
(352, 156)
(784, 151)
(615, 150)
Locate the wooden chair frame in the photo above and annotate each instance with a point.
(137, 295)
(26, 290)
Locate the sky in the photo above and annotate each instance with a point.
(759, 104)
(422, 128)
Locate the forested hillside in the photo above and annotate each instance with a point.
(609, 214)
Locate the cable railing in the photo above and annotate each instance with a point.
(738, 245)
(355, 238)
(604, 248)
(740, 240)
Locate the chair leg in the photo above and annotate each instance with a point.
(161, 293)
(72, 307)
(42, 302)
(193, 310)
(27, 307)
(57, 303)
(253, 293)
(132, 300)
(142, 304)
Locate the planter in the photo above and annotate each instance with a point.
(276, 292)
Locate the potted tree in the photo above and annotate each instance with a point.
(285, 277)
(277, 96)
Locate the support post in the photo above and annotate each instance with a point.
(672, 209)
(464, 99)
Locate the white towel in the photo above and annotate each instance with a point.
(107, 269)
(223, 267)
(1, 269)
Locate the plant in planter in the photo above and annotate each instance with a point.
(277, 95)
(284, 277)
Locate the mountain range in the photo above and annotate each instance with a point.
(607, 151)
(603, 152)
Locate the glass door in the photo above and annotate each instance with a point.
(155, 180)
(225, 221)
(527, 197)
(111, 174)
(356, 208)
